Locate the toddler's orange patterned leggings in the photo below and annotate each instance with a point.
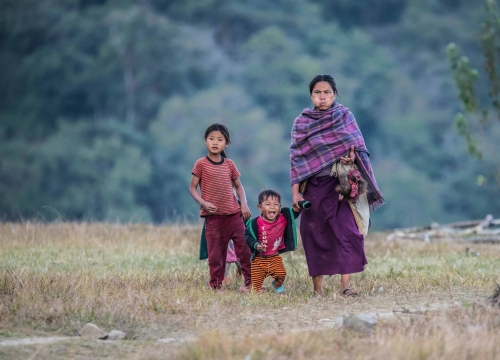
(263, 267)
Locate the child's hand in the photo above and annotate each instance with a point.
(245, 211)
(261, 247)
(209, 207)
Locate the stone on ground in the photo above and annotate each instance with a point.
(91, 331)
(116, 335)
(362, 322)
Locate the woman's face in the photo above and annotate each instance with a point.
(322, 95)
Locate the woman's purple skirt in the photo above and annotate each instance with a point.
(331, 240)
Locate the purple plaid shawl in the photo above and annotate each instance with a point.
(321, 138)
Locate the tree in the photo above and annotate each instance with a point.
(480, 122)
(364, 12)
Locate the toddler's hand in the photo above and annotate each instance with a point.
(209, 207)
(261, 247)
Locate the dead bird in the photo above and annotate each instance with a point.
(351, 186)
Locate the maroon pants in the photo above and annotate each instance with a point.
(219, 229)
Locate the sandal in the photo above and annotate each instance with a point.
(349, 292)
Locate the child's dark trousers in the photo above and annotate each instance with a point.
(219, 229)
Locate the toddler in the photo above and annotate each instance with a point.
(267, 236)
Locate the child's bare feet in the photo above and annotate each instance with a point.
(245, 289)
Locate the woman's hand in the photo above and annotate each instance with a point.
(245, 211)
(296, 197)
(209, 207)
(349, 159)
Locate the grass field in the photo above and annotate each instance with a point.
(147, 281)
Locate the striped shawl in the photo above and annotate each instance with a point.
(321, 138)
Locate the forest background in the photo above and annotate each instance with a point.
(103, 103)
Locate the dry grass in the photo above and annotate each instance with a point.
(146, 280)
(457, 334)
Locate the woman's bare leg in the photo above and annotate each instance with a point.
(318, 284)
(344, 281)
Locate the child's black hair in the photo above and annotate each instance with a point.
(323, 77)
(223, 129)
(266, 194)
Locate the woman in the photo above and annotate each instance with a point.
(322, 136)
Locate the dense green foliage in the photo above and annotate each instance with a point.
(103, 103)
(481, 129)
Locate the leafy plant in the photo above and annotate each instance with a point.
(481, 119)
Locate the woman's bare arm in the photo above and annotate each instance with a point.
(296, 197)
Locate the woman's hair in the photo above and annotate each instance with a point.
(223, 129)
(266, 194)
(323, 77)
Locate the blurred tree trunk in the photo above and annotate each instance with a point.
(130, 87)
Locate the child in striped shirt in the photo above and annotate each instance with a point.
(219, 180)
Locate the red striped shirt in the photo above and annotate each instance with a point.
(216, 185)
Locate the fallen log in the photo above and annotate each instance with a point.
(471, 223)
(482, 239)
(474, 231)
